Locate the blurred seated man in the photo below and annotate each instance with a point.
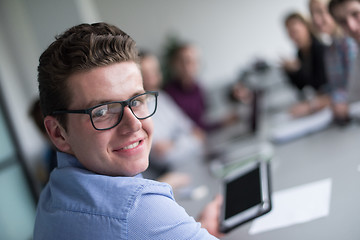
(347, 14)
(340, 55)
(185, 89)
(176, 138)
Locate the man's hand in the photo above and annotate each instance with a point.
(210, 216)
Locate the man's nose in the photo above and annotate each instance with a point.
(129, 123)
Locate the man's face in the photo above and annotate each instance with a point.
(186, 63)
(151, 73)
(347, 15)
(122, 150)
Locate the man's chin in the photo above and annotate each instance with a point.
(138, 169)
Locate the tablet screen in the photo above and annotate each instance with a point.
(246, 195)
(243, 193)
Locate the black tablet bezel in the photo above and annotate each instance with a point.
(262, 208)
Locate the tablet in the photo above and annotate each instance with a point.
(246, 194)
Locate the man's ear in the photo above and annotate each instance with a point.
(57, 134)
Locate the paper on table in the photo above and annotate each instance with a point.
(295, 205)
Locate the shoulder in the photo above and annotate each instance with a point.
(349, 41)
(343, 41)
(77, 204)
(160, 216)
(80, 190)
(351, 45)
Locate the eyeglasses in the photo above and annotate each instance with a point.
(108, 115)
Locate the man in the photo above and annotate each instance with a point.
(97, 114)
(173, 143)
(347, 14)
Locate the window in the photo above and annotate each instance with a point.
(17, 196)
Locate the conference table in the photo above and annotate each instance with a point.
(328, 159)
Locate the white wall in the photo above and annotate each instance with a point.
(229, 34)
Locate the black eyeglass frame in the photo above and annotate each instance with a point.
(123, 105)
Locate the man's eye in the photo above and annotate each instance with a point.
(135, 103)
(98, 113)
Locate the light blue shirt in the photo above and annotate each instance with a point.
(79, 204)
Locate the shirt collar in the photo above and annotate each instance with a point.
(68, 160)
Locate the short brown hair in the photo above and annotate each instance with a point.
(296, 16)
(335, 3)
(80, 48)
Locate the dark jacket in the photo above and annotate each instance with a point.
(312, 71)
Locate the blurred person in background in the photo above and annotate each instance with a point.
(176, 138)
(340, 54)
(347, 14)
(185, 89)
(307, 70)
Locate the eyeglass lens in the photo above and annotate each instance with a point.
(108, 115)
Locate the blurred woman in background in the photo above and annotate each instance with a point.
(307, 71)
